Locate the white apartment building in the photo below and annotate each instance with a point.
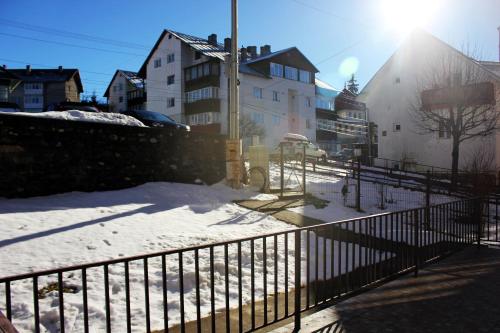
(186, 77)
(125, 92)
(389, 94)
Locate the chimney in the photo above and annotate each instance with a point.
(265, 50)
(60, 68)
(252, 51)
(243, 54)
(227, 44)
(212, 39)
(28, 68)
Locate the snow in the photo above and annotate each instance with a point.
(76, 115)
(75, 228)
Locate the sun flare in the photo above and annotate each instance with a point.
(402, 16)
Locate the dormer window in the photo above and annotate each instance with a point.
(276, 69)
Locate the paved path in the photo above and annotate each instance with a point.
(458, 294)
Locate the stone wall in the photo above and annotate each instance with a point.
(44, 156)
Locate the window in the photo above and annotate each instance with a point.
(114, 88)
(258, 117)
(120, 99)
(384, 133)
(206, 69)
(203, 93)
(201, 70)
(157, 63)
(276, 96)
(120, 86)
(197, 55)
(276, 120)
(170, 58)
(170, 102)
(32, 86)
(308, 102)
(323, 104)
(305, 76)
(308, 123)
(170, 79)
(350, 114)
(398, 80)
(291, 73)
(276, 70)
(396, 127)
(32, 99)
(204, 118)
(257, 92)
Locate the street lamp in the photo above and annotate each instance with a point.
(357, 153)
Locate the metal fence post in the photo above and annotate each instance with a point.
(297, 280)
(478, 216)
(428, 201)
(358, 187)
(282, 170)
(304, 169)
(416, 245)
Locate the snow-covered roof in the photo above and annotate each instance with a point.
(202, 45)
(131, 77)
(324, 85)
(280, 52)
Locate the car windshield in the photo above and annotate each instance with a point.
(155, 116)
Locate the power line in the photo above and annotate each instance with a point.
(68, 34)
(70, 45)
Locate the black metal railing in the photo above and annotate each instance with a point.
(238, 285)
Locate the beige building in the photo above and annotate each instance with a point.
(43, 87)
(125, 92)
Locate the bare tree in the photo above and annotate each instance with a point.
(455, 99)
(249, 128)
(479, 170)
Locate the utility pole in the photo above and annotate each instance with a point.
(233, 145)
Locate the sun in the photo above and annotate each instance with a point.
(402, 16)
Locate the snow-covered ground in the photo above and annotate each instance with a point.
(75, 228)
(76, 115)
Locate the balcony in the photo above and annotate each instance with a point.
(202, 105)
(202, 75)
(136, 97)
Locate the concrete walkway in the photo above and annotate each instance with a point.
(458, 294)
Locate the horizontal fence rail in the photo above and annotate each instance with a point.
(239, 285)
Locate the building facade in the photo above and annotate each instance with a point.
(125, 92)
(8, 82)
(391, 94)
(186, 78)
(326, 117)
(40, 88)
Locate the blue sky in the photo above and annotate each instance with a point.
(327, 31)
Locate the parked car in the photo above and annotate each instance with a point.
(344, 154)
(9, 107)
(156, 119)
(66, 106)
(293, 146)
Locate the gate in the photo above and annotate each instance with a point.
(289, 172)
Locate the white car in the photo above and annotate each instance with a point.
(293, 145)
